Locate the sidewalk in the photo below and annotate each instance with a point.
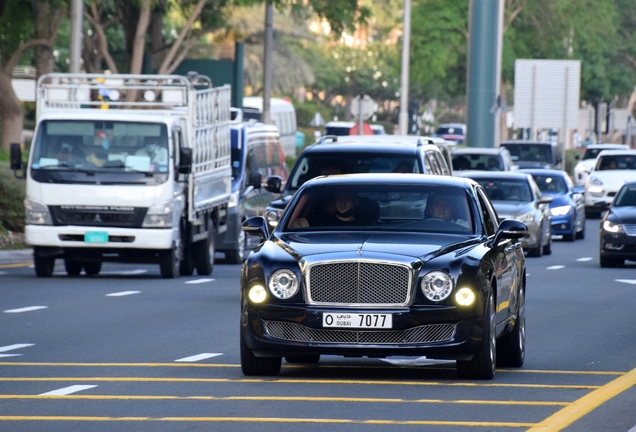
(19, 256)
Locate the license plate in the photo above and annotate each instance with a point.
(96, 237)
(356, 320)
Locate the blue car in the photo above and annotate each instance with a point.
(568, 203)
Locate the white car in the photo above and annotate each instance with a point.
(612, 169)
(585, 165)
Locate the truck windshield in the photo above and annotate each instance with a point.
(99, 146)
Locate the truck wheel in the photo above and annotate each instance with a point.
(169, 263)
(92, 268)
(238, 255)
(73, 268)
(43, 265)
(186, 268)
(204, 254)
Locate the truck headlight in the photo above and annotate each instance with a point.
(36, 213)
(437, 285)
(158, 216)
(561, 210)
(283, 284)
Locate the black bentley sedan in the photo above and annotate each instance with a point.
(618, 228)
(383, 265)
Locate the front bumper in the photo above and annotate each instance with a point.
(532, 238)
(118, 238)
(618, 245)
(435, 332)
(562, 225)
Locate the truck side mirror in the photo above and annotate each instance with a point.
(185, 160)
(16, 160)
(274, 184)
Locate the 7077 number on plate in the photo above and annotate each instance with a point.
(356, 320)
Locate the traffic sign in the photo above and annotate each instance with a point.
(363, 104)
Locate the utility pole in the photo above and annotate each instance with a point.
(404, 84)
(267, 62)
(75, 50)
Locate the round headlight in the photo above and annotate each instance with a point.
(437, 285)
(283, 284)
(465, 297)
(257, 294)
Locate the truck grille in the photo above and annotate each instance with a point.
(128, 217)
(359, 283)
(298, 333)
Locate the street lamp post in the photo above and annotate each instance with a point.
(404, 85)
(75, 49)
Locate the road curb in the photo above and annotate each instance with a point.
(16, 258)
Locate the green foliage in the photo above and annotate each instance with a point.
(306, 111)
(12, 192)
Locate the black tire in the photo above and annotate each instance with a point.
(482, 365)
(536, 252)
(511, 349)
(73, 267)
(169, 263)
(43, 265)
(547, 249)
(571, 236)
(581, 234)
(204, 254)
(305, 359)
(252, 365)
(238, 255)
(186, 267)
(92, 268)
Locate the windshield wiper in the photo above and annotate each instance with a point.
(71, 168)
(128, 167)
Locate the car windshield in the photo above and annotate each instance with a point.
(616, 162)
(318, 164)
(626, 197)
(591, 153)
(477, 161)
(530, 152)
(413, 208)
(507, 189)
(550, 184)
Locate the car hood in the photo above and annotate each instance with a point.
(281, 202)
(625, 215)
(423, 246)
(614, 179)
(559, 200)
(512, 208)
(532, 164)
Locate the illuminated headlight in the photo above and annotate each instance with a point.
(273, 216)
(595, 190)
(36, 213)
(159, 216)
(612, 227)
(283, 284)
(257, 294)
(465, 297)
(525, 217)
(561, 210)
(437, 285)
(234, 199)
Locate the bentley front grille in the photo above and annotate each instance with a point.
(359, 283)
(416, 335)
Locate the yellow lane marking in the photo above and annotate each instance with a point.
(6, 266)
(579, 408)
(287, 399)
(318, 366)
(267, 420)
(298, 381)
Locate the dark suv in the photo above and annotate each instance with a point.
(333, 155)
(534, 154)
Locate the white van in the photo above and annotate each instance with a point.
(283, 115)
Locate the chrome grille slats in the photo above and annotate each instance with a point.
(299, 333)
(359, 282)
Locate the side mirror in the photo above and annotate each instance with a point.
(15, 158)
(274, 184)
(185, 160)
(578, 190)
(255, 180)
(256, 225)
(545, 199)
(509, 229)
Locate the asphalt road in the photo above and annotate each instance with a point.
(128, 350)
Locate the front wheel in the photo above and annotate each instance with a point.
(43, 264)
(73, 267)
(252, 365)
(547, 249)
(511, 349)
(169, 263)
(482, 365)
(204, 253)
(239, 253)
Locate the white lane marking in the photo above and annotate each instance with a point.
(420, 361)
(125, 272)
(25, 309)
(584, 259)
(556, 267)
(10, 355)
(627, 281)
(199, 357)
(67, 390)
(122, 293)
(14, 347)
(3, 272)
(199, 281)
